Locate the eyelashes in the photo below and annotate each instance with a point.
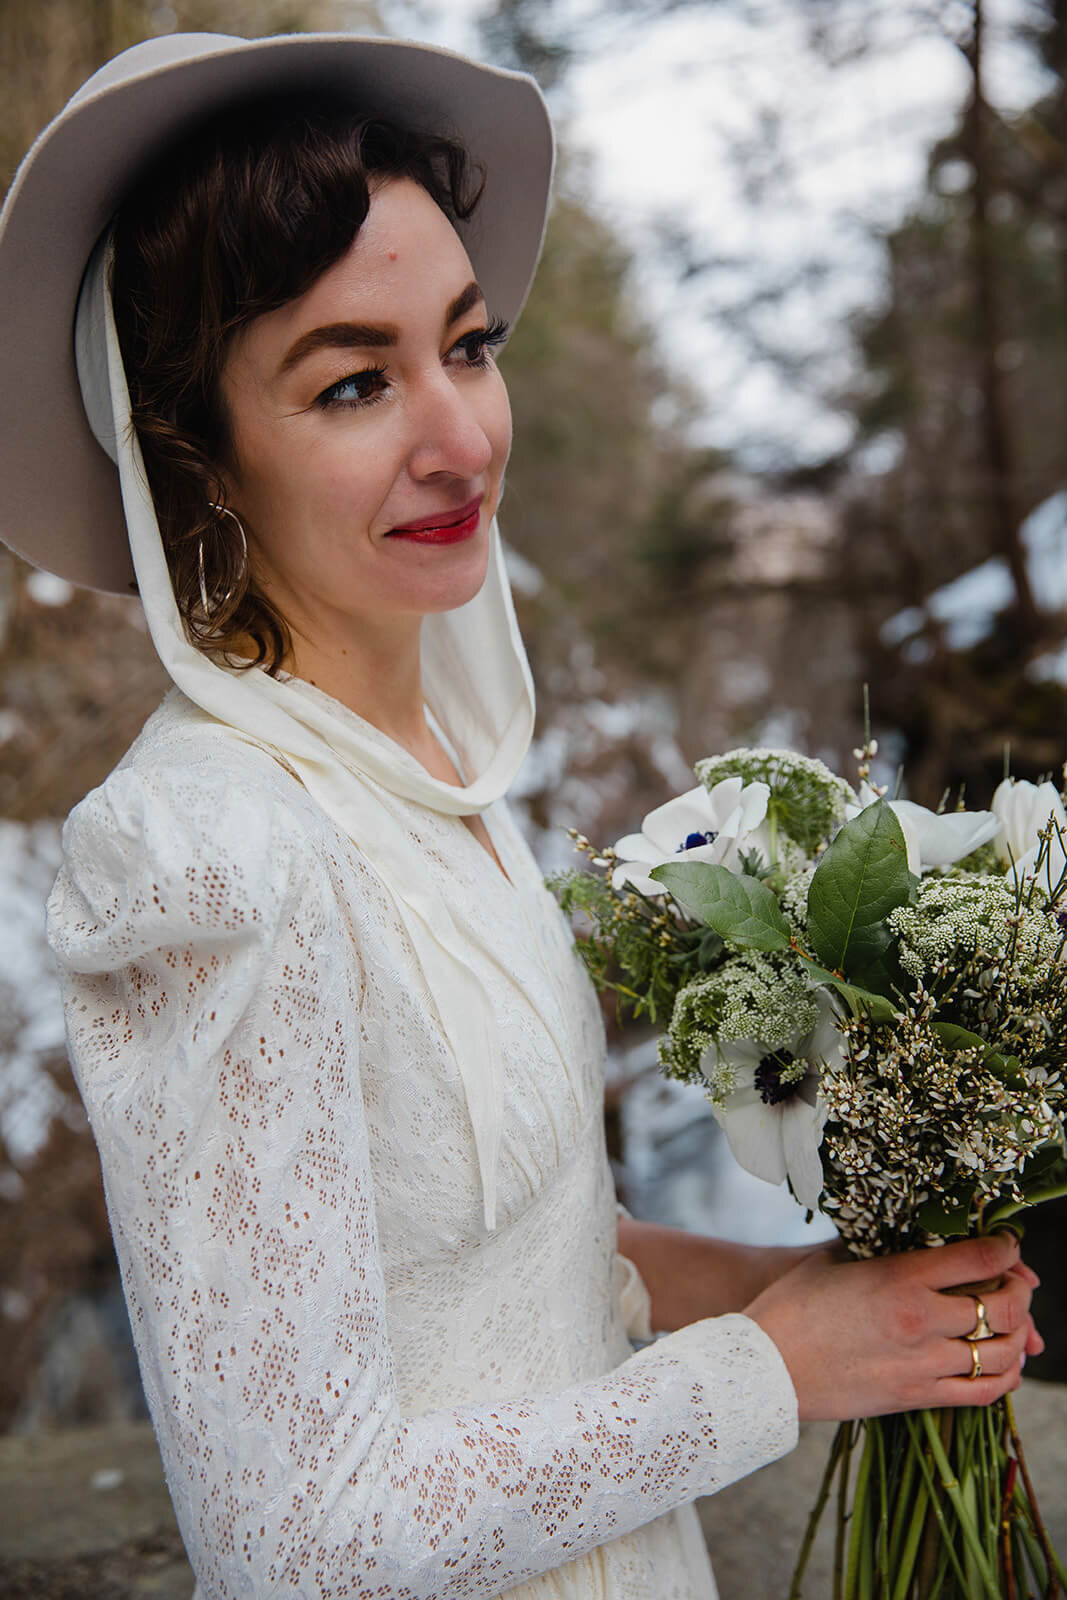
(360, 388)
(370, 384)
(477, 345)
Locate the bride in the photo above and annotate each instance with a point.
(341, 1062)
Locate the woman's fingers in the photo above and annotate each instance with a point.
(1035, 1344)
(964, 1261)
(966, 1391)
(994, 1356)
(947, 1375)
(1000, 1309)
(865, 1337)
(1027, 1274)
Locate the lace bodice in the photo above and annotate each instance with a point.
(357, 1390)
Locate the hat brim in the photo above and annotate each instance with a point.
(60, 504)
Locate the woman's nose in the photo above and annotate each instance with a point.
(450, 431)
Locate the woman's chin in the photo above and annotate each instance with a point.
(456, 583)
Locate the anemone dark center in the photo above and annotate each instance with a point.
(777, 1078)
(693, 841)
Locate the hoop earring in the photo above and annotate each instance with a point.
(223, 511)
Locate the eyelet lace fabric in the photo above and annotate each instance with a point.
(358, 1392)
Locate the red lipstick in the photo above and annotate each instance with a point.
(447, 527)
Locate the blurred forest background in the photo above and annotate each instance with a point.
(678, 596)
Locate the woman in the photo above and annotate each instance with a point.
(338, 1055)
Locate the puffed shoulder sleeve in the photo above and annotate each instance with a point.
(205, 866)
(213, 997)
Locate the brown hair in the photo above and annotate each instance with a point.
(243, 216)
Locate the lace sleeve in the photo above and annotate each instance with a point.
(216, 1046)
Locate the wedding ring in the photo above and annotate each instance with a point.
(976, 1360)
(981, 1329)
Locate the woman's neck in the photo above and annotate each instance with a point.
(382, 684)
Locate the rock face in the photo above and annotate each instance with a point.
(85, 1515)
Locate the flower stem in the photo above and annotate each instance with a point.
(1055, 1566)
(876, 1429)
(929, 1550)
(859, 1536)
(772, 834)
(940, 1507)
(842, 1505)
(924, 1457)
(903, 1562)
(950, 1484)
(1026, 1545)
(844, 1430)
(1006, 1542)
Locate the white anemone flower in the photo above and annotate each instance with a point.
(1022, 810)
(935, 838)
(767, 1102)
(940, 838)
(717, 825)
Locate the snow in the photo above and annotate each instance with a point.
(1050, 667)
(581, 734)
(965, 610)
(523, 576)
(31, 1018)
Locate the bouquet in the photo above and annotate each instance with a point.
(874, 997)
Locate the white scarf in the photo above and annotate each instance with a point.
(478, 688)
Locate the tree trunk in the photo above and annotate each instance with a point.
(1000, 468)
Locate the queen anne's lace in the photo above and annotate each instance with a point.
(357, 1391)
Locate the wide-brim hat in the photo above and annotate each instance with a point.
(60, 503)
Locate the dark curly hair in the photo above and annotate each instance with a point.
(240, 218)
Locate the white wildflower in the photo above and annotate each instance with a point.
(719, 826)
(1023, 810)
(769, 1105)
(934, 838)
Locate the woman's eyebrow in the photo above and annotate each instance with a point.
(367, 335)
(338, 336)
(465, 301)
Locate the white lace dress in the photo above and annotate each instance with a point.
(357, 1391)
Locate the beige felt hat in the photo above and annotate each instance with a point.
(60, 504)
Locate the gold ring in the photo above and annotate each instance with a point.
(976, 1360)
(981, 1329)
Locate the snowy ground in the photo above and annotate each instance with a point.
(31, 1021)
(964, 611)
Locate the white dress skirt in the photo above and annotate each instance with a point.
(359, 1391)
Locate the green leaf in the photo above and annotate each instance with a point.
(858, 1000)
(957, 1038)
(742, 910)
(862, 877)
(1050, 1160)
(1000, 1214)
(946, 1216)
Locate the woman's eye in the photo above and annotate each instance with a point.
(358, 389)
(475, 346)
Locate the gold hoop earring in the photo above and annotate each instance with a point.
(209, 610)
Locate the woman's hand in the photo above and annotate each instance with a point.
(864, 1338)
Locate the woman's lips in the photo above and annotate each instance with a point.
(447, 527)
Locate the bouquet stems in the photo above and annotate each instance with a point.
(934, 1505)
